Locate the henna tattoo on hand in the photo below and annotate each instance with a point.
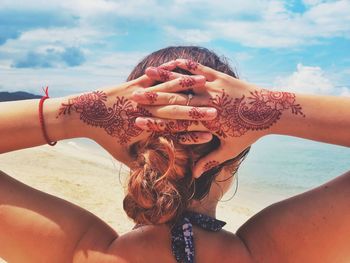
(189, 137)
(155, 126)
(256, 112)
(171, 130)
(179, 125)
(196, 114)
(118, 120)
(151, 96)
(164, 75)
(191, 65)
(170, 126)
(210, 165)
(187, 82)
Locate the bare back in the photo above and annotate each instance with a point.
(309, 227)
(153, 244)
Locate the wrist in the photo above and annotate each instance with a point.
(287, 110)
(266, 111)
(83, 115)
(62, 126)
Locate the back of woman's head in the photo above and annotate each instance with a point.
(161, 186)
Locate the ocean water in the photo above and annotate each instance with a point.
(288, 165)
(284, 165)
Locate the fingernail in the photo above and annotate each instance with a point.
(197, 174)
(211, 113)
(138, 96)
(152, 72)
(199, 78)
(138, 93)
(207, 136)
(141, 123)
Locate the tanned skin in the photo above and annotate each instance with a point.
(313, 226)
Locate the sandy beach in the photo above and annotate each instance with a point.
(92, 179)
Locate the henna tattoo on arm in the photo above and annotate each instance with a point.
(259, 111)
(118, 120)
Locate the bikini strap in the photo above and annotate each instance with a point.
(182, 234)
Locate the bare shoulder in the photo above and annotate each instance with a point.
(308, 227)
(223, 245)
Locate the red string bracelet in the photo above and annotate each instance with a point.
(41, 117)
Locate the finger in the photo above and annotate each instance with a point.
(197, 68)
(170, 65)
(182, 112)
(184, 83)
(144, 81)
(195, 137)
(193, 67)
(210, 161)
(164, 98)
(160, 125)
(161, 74)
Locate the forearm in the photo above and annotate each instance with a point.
(324, 119)
(20, 126)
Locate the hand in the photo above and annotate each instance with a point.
(245, 112)
(109, 115)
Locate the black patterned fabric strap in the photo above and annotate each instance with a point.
(182, 234)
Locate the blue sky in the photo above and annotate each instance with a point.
(81, 45)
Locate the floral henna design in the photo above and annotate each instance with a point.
(210, 165)
(191, 65)
(171, 126)
(164, 75)
(118, 120)
(280, 100)
(187, 82)
(155, 126)
(196, 114)
(256, 112)
(189, 137)
(151, 96)
(171, 130)
(179, 125)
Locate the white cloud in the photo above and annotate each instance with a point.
(109, 69)
(307, 79)
(312, 2)
(191, 36)
(67, 36)
(344, 91)
(78, 7)
(276, 26)
(255, 23)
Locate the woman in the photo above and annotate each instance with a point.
(162, 195)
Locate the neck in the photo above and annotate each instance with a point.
(205, 206)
